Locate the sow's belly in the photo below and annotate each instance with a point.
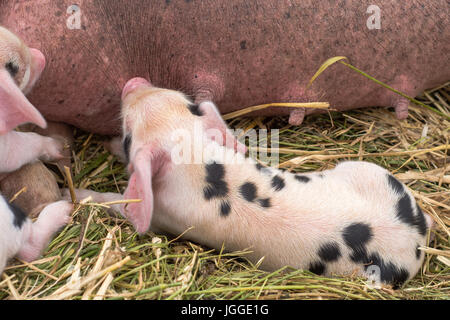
(173, 45)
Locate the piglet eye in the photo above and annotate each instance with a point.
(195, 110)
(126, 146)
(12, 68)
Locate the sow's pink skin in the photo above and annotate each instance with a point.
(356, 218)
(20, 68)
(236, 53)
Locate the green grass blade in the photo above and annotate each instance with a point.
(333, 60)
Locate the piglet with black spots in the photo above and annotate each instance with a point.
(20, 67)
(354, 219)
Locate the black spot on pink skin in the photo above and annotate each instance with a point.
(405, 210)
(210, 192)
(278, 183)
(248, 191)
(19, 215)
(243, 45)
(317, 267)
(12, 68)
(216, 186)
(404, 207)
(395, 185)
(418, 252)
(389, 272)
(329, 252)
(127, 146)
(356, 236)
(195, 110)
(225, 208)
(214, 172)
(359, 255)
(420, 221)
(302, 179)
(261, 168)
(265, 203)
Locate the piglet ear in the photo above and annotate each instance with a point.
(15, 109)
(140, 187)
(37, 66)
(213, 120)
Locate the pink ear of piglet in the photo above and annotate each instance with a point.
(15, 109)
(215, 121)
(140, 187)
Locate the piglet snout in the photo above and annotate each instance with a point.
(133, 84)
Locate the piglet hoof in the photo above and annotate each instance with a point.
(55, 216)
(52, 150)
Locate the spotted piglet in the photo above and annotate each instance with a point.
(354, 219)
(20, 67)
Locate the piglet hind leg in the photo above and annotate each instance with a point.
(64, 134)
(97, 197)
(51, 219)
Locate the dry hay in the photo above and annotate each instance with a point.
(101, 257)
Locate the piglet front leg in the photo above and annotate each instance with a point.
(20, 148)
(38, 234)
(97, 197)
(115, 209)
(63, 133)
